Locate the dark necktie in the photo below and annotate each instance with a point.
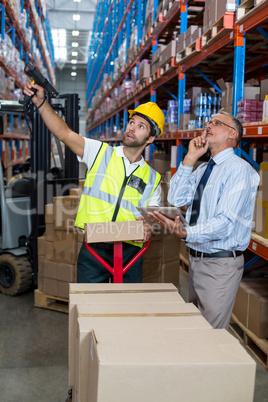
(199, 191)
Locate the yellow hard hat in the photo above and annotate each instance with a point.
(153, 114)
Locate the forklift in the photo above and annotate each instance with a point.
(23, 200)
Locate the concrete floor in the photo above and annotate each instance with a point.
(34, 352)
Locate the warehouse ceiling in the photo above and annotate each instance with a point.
(71, 22)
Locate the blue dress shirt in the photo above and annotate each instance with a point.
(227, 203)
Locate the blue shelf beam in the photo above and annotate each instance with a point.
(239, 69)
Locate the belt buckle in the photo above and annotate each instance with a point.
(196, 253)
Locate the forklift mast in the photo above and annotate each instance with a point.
(43, 186)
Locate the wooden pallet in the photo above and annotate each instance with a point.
(169, 66)
(50, 302)
(256, 346)
(155, 76)
(246, 6)
(158, 24)
(146, 38)
(220, 28)
(188, 52)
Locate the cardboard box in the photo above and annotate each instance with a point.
(154, 251)
(168, 53)
(50, 287)
(65, 246)
(184, 120)
(227, 92)
(78, 248)
(161, 162)
(224, 5)
(263, 186)
(50, 232)
(75, 191)
(50, 269)
(143, 294)
(81, 185)
(250, 92)
(144, 71)
(65, 210)
(261, 225)
(241, 306)
(49, 213)
(171, 272)
(258, 313)
(113, 231)
(240, 309)
(171, 248)
(157, 278)
(264, 89)
(49, 250)
(41, 246)
(63, 289)
(152, 268)
(211, 359)
(125, 318)
(66, 273)
(112, 288)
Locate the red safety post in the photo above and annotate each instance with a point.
(118, 270)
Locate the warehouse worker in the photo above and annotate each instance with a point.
(118, 181)
(219, 215)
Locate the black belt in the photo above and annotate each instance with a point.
(219, 254)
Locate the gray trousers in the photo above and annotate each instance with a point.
(213, 283)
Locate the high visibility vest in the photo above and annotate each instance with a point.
(109, 195)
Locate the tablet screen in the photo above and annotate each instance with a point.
(168, 212)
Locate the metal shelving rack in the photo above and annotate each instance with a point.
(10, 25)
(231, 35)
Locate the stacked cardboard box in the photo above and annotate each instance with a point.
(250, 92)
(249, 110)
(261, 206)
(167, 53)
(144, 70)
(161, 261)
(134, 341)
(59, 248)
(184, 39)
(155, 64)
(251, 306)
(214, 10)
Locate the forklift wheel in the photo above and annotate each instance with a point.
(15, 274)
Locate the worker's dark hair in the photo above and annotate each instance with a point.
(237, 124)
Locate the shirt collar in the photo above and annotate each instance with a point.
(223, 155)
(120, 152)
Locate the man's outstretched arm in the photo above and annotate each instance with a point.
(54, 122)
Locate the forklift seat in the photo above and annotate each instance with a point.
(18, 188)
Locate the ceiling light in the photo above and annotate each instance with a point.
(73, 73)
(75, 33)
(74, 54)
(59, 37)
(75, 44)
(59, 42)
(112, 63)
(76, 17)
(77, 1)
(73, 61)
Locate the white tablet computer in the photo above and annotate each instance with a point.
(168, 212)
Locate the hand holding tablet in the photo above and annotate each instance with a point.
(168, 212)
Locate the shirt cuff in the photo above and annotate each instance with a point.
(191, 236)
